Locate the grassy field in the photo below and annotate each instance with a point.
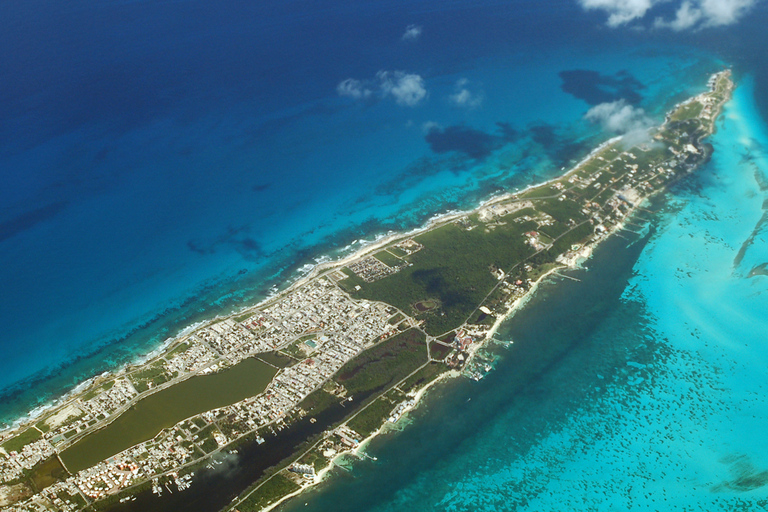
(151, 376)
(16, 443)
(388, 259)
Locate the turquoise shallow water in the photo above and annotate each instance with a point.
(197, 211)
(648, 393)
(162, 172)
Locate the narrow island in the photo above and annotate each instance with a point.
(314, 372)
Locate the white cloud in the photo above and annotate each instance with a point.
(407, 89)
(463, 97)
(686, 17)
(620, 12)
(689, 13)
(621, 118)
(431, 125)
(725, 12)
(707, 13)
(353, 88)
(412, 33)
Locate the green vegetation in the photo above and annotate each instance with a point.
(395, 395)
(206, 441)
(111, 500)
(77, 499)
(442, 285)
(438, 350)
(243, 317)
(298, 350)
(424, 376)
(577, 234)
(562, 211)
(553, 231)
(319, 400)
(98, 390)
(15, 444)
(47, 473)
(539, 192)
(388, 259)
(315, 458)
(181, 348)
(397, 251)
(42, 426)
(371, 418)
(603, 196)
(385, 364)
(689, 111)
(452, 268)
(271, 491)
(149, 377)
(480, 318)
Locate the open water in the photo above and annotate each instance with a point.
(164, 162)
(647, 393)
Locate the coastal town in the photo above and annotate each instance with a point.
(309, 338)
(318, 319)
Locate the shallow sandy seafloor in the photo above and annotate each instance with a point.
(662, 403)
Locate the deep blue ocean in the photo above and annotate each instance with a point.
(163, 162)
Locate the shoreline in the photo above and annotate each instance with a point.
(385, 427)
(583, 255)
(320, 267)
(422, 392)
(569, 259)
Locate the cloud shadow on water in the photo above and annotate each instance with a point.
(595, 88)
(471, 142)
(233, 238)
(30, 219)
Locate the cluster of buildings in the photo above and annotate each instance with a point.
(502, 209)
(110, 400)
(409, 246)
(14, 464)
(196, 357)
(318, 321)
(64, 496)
(136, 464)
(103, 479)
(532, 239)
(372, 269)
(340, 329)
(75, 417)
(400, 409)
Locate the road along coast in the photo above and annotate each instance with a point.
(350, 346)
